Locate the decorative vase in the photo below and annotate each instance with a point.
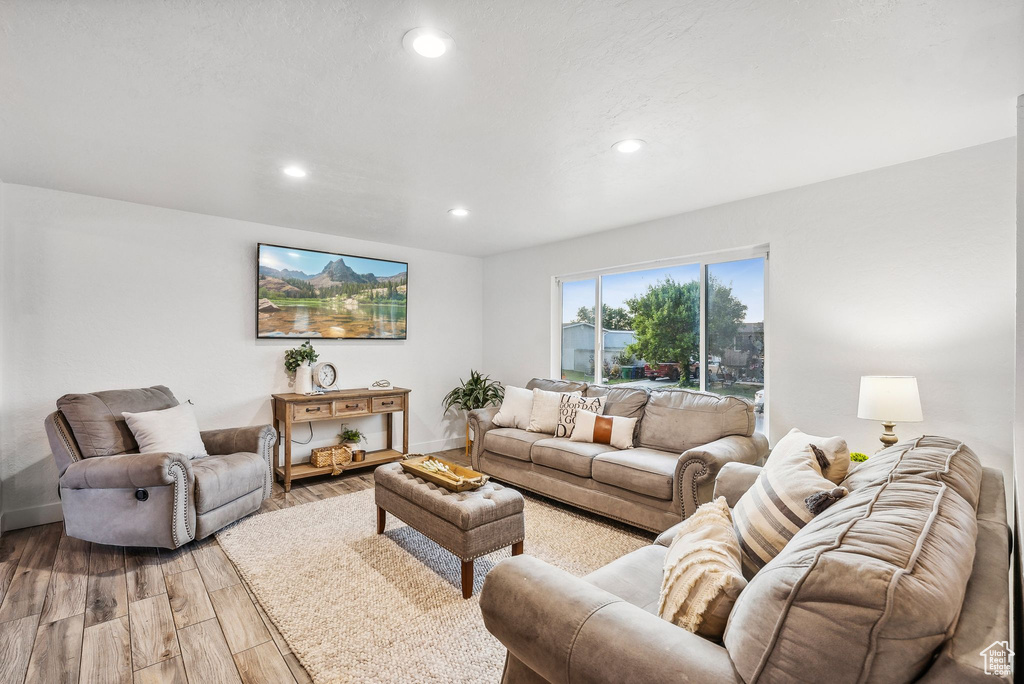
(304, 379)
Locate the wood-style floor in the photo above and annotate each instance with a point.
(72, 611)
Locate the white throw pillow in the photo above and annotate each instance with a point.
(515, 408)
(568, 408)
(168, 431)
(614, 430)
(544, 417)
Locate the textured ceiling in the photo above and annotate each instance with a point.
(197, 105)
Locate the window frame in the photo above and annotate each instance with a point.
(703, 261)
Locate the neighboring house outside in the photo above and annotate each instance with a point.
(578, 345)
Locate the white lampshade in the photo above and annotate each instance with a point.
(890, 399)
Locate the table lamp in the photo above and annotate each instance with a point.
(889, 399)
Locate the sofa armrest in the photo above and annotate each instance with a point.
(567, 630)
(697, 467)
(734, 479)
(481, 420)
(126, 471)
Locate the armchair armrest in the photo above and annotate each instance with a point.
(481, 420)
(255, 439)
(252, 439)
(697, 467)
(567, 630)
(126, 471)
(734, 479)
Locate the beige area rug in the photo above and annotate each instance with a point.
(359, 607)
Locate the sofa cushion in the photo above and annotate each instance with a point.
(645, 471)
(569, 457)
(871, 587)
(635, 577)
(96, 420)
(222, 479)
(677, 419)
(556, 385)
(627, 402)
(512, 442)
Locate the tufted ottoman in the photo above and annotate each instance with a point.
(469, 524)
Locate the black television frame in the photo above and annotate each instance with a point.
(256, 295)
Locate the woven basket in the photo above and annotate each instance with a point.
(337, 456)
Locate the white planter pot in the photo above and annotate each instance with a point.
(304, 379)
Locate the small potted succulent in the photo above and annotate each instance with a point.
(351, 437)
(858, 457)
(299, 362)
(477, 392)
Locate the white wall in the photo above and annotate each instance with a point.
(103, 294)
(903, 270)
(3, 328)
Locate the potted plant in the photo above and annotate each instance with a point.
(351, 437)
(299, 362)
(477, 392)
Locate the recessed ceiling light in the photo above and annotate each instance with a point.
(428, 42)
(628, 146)
(294, 171)
(459, 211)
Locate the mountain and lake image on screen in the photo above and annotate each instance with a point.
(304, 293)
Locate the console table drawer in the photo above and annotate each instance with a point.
(387, 404)
(311, 411)
(347, 407)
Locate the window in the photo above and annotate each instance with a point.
(697, 324)
(578, 297)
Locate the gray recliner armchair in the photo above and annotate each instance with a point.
(111, 494)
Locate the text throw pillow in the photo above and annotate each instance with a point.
(569, 406)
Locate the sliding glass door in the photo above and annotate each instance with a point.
(697, 324)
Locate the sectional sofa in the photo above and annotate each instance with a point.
(905, 579)
(682, 440)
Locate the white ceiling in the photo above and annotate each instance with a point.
(197, 104)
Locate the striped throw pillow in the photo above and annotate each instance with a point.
(787, 495)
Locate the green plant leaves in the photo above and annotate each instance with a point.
(479, 391)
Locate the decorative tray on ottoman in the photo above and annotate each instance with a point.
(451, 476)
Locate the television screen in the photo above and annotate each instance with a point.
(305, 293)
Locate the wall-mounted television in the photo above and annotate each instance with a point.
(304, 293)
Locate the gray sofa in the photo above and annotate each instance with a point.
(905, 579)
(111, 494)
(682, 440)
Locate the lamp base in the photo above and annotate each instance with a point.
(888, 437)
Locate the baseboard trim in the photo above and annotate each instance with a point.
(32, 516)
(437, 445)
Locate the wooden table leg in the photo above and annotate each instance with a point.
(405, 426)
(389, 420)
(382, 520)
(277, 431)
(287, 454)
(517, 548)
(467, 579)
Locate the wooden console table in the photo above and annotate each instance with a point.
(339, 405)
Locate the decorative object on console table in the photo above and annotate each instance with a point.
(341, 405)
(297, 361)
(476, 393)
(351, 437)
(325, 376)
(889, 399)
